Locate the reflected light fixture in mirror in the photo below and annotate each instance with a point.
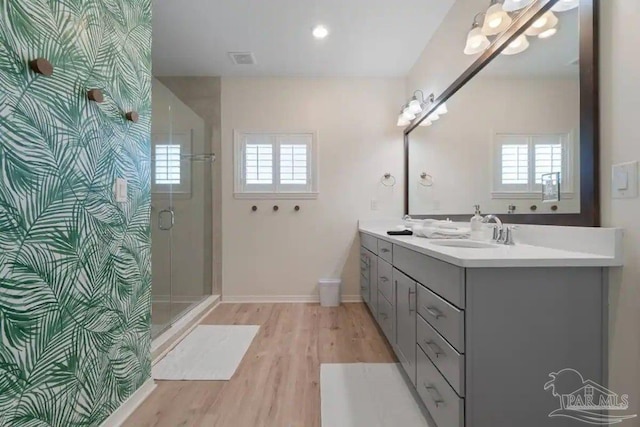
(426, 122)
(513, 5)
(496, 20)
(517, 46)
(415, 105)
(564, 5)
(407, 114)
(442, 109)
(434, 116)
(477, 42)
(402, 122)
(543, 25)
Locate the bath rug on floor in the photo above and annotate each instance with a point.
(209, 352)
(367, 395)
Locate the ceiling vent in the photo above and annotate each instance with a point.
(242, 58)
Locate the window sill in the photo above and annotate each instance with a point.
(526, 195)
(275, 196)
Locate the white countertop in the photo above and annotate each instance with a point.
(518, 255)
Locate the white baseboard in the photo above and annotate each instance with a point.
(177, 299)
(284, 299)
(130, 405)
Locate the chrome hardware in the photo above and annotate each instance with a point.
(435, 348)
(411, 292)
(434, 391)
(502, 233)
(434, 312)
(172, 216)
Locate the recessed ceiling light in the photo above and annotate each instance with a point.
(320, 32)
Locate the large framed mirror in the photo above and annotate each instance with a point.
(516, 119)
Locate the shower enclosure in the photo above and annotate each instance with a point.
(181, 209)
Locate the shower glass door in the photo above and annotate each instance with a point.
(181, 212)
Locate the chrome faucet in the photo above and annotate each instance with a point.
(501, 234)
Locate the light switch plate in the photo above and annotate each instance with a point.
(121, 190)
(624, 180)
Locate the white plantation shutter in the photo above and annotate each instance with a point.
(521, 160)
(167, 164)
(275, 165)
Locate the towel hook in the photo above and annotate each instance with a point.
(388, 180)
(426, 180)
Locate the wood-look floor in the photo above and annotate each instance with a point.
(278, 382)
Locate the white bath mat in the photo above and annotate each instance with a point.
(210, 352)
(367, 395)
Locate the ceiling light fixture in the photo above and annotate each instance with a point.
(513, 5)
(476, 41)
(546, 22)
(519, 45)
(564, 5)
(496, 20)
(320, 32)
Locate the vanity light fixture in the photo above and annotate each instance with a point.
(426, 122)
(415, 105)
(434, 116)
(476, 40)
(442, 109)
(496, 20)
(407, 114)
(320, 32)
(564, 5)
(402, 122)
(519, 45)
(514, 5)
(544, 24)
(546, 34)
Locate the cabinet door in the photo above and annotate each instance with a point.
(405, 344)
(364, 275)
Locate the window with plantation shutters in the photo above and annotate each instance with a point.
(521, 159)
(275, 165)
(170, 168)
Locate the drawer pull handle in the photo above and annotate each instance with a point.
(385, 250)
(411, 292)
(434, 312)
(384, 279)
(435, 348)
(435, 395)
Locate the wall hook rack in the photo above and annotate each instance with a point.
(426, 180)
(95, 95)
(276, 208)
(41, 66)
(254, 208)
(297, 208)
(388, 180)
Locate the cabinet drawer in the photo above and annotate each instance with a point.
(369, 242)
(444, 279)
(448, 361)
(385, 317)
(385, 251)
(444, 405)
(385, 280)
(405, 311)
(444, 317)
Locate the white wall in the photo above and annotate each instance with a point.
(620, 91)
(458, 150)
(269, 254)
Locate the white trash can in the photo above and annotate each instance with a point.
(329, 292)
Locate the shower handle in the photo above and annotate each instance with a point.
(172, 216)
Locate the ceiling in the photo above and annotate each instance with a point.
(369, 38)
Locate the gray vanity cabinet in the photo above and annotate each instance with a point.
(406, 322)
(479, 344)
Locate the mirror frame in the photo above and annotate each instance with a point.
(589, 215)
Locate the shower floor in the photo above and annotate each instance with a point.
(165, 313)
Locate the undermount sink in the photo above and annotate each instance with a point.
(461, 243)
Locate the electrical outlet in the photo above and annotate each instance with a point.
(374, 205)
(121, 190)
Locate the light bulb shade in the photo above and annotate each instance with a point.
(496, 20)
(408, 115)
(426, 122)
(545, 23)
(477, 42)
(442, 109)
(434, 116)
(546, 34)
(415, 107)
(564, 5)
(513, 5)
(517, 46)
(402, 122)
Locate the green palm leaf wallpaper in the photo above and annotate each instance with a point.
(75, 266)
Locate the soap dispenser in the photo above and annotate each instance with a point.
(477, 224)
